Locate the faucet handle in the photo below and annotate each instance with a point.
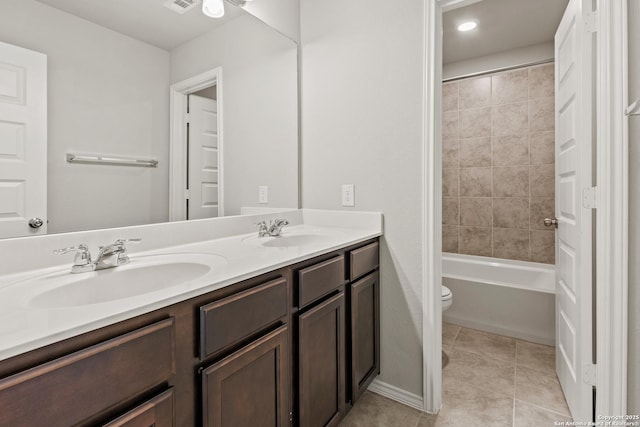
(123, 258)
(83, 256)
(263, 230)
(122, 241)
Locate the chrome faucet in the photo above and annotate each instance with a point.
(114, 254)
(109, 256)
(274, 229)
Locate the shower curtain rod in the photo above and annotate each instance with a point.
(497, 70)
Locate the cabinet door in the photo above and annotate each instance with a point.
(250, 387)
(321, 358)
(157, 412)
(365, 333)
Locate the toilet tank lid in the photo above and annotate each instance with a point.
(445, 292)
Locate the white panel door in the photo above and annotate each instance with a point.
(204, 159)
(23, 141)
(574, 118)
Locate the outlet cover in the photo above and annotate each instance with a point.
(263, 194)
(348, 195)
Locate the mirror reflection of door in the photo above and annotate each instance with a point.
(23, 142)
(203, 164)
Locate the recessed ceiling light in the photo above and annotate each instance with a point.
(467, 26)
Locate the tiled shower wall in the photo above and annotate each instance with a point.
(498, 165)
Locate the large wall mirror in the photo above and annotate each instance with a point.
(139, 98)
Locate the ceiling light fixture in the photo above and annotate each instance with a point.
(467, 26)
(213, 8)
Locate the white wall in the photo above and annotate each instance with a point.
(633, 375)
(259, 96)
(510, 58)
(283, 15)
(362, 89)
(107, 94)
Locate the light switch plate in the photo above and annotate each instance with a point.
(263, 194)
(348, 195)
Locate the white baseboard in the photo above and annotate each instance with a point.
(397, 394)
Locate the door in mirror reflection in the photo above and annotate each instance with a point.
(23, 142)
(204, 158)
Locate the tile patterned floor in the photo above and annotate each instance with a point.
(490, 380)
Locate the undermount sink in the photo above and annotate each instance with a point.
(143, 275)
(288, 240)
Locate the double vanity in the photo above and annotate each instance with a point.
(207, 324)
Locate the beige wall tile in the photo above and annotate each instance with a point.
(450, 97)
(475, 152)
(498, 164)
(450, 211)
(450, 238)
(510, 243)
(511, 181)
(511, 213)
(450, 125)
(541, 81)
(510, 150)
(542, 114)
(475, 211)
(475, 241)
(543, 246)
(543, 147)
(510, 86)
(475, 123)
(510, 119)
(475, 182)
(541, 208)
(450, 182)
(543, 181)
(474, 92)
(450, 153)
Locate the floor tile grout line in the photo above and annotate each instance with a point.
(543, 408)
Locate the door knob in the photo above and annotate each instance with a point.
(35, 223)
(548, 222)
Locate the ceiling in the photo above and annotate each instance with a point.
(146, 20)
(502, 25)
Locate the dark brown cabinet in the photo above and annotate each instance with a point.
(365, 333)
(321, 358)
(249, 388)
(292, 347)
(156, 412)
(78, 388)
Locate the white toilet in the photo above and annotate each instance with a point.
(447, 298)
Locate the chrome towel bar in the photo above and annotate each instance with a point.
(111, 160)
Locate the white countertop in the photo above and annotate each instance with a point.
(24, 327)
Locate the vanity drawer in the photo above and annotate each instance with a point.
(363, 260)
(156, 412)
(320, 279)
(76, 387)
(235, 318)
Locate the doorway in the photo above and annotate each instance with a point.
(606, 159)
(196, 174)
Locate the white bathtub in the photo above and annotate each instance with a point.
(512, 298)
